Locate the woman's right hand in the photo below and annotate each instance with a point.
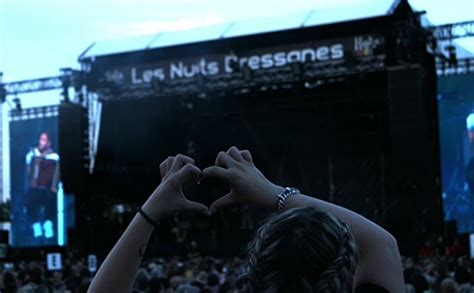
(248, 185)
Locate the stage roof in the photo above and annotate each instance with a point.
(304, 19)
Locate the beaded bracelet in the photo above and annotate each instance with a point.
(147, 218)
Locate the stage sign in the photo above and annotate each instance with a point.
(37, 197)
(340, 52)
(92, 263)
(54, 262)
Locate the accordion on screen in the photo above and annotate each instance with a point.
(44, 174)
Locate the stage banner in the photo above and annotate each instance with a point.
(37, 197)
(338, 55)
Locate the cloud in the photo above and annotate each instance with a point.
(185, 1)
(175, 25)
(161, 2)
(151, 27)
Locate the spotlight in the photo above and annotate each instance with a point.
(434, 44)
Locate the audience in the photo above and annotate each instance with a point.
(434, 274)
(33, 276)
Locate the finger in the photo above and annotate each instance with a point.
(234, 153)
(224, 160)
(168, 163)
(246, 155)
(180, 161)
(195, 206)
(223, 202)
(216, 172)
(189, 170)
(163, 169)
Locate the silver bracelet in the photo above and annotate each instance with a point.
(282, 197)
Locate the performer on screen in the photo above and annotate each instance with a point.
(470, 165)
(42, 165)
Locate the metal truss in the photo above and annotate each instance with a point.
(34, 113)
(68, 78)
(33, 85)
(453, 30)
(462, 66)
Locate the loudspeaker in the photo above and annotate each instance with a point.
(413, 167)
(73, 146)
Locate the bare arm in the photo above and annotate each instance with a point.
(379, 261)
(118, 271)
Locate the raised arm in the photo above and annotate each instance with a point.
(379, 261)
(118, 271)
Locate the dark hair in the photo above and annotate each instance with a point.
(45, 133)
(300, 250)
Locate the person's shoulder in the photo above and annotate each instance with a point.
(52, 156)
(33, 152)
(370, 288)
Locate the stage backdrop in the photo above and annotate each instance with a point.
(37, 197)
(456, 124)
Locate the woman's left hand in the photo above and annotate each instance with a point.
(168, 197)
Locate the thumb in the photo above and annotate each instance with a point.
(197, 207)
(223, 202)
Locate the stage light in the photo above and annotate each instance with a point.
(3, 91)
(452, 58)
(3, 94)
(297, 69)
(17, 102)
(66, 83)
(247, 72)
(443, 66)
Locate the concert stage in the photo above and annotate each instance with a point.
(346, 112)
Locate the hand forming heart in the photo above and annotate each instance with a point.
(248, 185)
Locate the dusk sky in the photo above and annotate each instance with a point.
(38, 37)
